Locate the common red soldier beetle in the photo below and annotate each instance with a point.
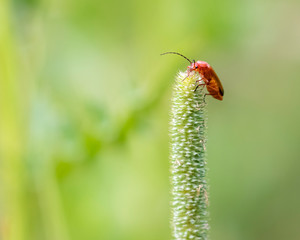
(207, 74)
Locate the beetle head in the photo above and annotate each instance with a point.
(198, 66)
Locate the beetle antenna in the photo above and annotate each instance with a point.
(177, 54)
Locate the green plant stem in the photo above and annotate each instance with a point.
(188, 165)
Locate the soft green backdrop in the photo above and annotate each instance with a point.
(84, 108)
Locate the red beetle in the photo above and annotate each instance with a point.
(208, 75)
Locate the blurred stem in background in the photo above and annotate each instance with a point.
(188, 165)
(12, 215)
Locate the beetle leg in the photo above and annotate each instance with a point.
(186, 76)
(205, 96)
(199, 86)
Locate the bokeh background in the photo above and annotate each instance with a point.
(84, 108)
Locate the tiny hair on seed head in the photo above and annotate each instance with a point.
(177, 54)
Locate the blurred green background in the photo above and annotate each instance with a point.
(84, 108)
